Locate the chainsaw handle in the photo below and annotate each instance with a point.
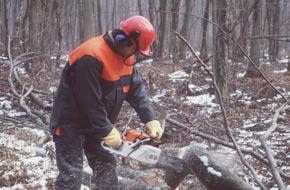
(107, 147)
(104, 145)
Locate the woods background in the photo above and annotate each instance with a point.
(55, 27)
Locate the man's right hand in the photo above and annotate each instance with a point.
(113, 139)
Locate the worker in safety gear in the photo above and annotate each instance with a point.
(98, 77)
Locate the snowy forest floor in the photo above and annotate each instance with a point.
(27, 151)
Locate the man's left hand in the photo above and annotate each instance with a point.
(154, 129)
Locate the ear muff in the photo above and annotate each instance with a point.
(123, 40)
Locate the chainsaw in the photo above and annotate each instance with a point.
(137, 145)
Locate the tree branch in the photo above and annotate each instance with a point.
(269, 154)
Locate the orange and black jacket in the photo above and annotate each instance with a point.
(94, 84)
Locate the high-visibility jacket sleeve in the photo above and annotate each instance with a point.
(88, 94)
(138, 99)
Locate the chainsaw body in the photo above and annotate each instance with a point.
(139, 146)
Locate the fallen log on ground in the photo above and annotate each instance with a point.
(203, 165)
(198, 161)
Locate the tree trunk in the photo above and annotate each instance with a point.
(174, 27)
(220, 56)
(273, 18)
(100, 28)
(288, 68)
(205, 167)
(23, 25)
(87, 27)
(152, 11)
(139, 4)
(185, 27)
(162, 29)
(244, 30)
(113, 14)
(58, 7)
(255, 50)
(6, 31)
(203, 51)
(34, 25)
(11, 14)
(152, 17)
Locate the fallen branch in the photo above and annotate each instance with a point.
(11, 68)
(11, 119)
(226, 125)
(34, 97)
(269, 154)
(27, 109)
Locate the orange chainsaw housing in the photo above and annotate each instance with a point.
(132, 135)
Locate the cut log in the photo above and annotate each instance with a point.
(198, 161)
(202, 163)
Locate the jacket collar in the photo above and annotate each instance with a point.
(110, 42)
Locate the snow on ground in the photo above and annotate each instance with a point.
(179, 75)
(241, 75)
(286, 60)
(62, 57)
(31, 164)
(194, 88)
(6, 108)
(280, 71)
(202, 100)
(4, 58)
(157, 97)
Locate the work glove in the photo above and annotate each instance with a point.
(113, 139)
(154, 129)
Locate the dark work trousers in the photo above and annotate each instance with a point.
(69, 147)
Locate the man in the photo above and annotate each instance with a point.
(99, 76)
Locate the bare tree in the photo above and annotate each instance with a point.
(114, 13)
(203, 50)
(255, 43)
(87, 27)
(152, 17)
(152, 11)
(162, 28)
(139, 4)
(288, 45)
(186, 22)
(174, 27)
(273, 18)
(99, 16)
(5, 26)
(243, 29)
(34, 24)
(220, 57)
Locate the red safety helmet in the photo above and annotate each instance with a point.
(144, 28)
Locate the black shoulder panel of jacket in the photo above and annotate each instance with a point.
(85, 77)
(138, 99)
